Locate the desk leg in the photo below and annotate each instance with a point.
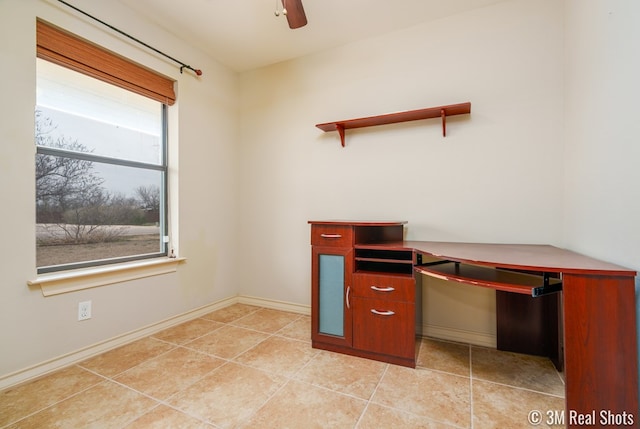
(601, 362)
(530, 325)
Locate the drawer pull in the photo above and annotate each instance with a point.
(331, 235)
(346, 296)
(383, 289)
(382, 313)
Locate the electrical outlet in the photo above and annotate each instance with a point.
(84, 310)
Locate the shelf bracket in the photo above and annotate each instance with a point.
(340, 129)
(443, 114)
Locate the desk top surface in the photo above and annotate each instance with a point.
(535, 257)
(358, 222)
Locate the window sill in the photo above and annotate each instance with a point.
(71, 281)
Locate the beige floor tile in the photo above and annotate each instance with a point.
(300, 405)
(518, 370)
(123, 358)
(229, 395)
(169, 373)
(254, 367)
(106, 405)
(231, 313)
(164, 417)
(377, 416)
(498, 406)
(228, 341)
(299, 329)
(346, 374)
(278, 355)
(188, 331)
(20, 401)
(444, 356)
(436, 395)
(266, 320)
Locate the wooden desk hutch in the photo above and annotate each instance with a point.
(579, 311)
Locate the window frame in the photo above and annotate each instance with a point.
(72, 52)
(163, 221)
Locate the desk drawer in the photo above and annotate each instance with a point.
(385, 287)
(382, 326)
(332, 235)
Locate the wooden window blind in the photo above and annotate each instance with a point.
(71, 51)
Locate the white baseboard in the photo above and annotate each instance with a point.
(459, 335)
(44, 368)
(275, 305)
(49, 366)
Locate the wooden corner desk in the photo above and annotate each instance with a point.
(578, 311)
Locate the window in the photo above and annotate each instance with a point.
(101, 164)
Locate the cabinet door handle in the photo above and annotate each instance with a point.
(382, 313)
(331, 235)
(346, 296)
(383, 289)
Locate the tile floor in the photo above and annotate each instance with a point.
(245, 366)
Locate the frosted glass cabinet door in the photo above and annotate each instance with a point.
(331, 288)
(331, 295)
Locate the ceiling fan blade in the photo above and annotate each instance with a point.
(295, 13)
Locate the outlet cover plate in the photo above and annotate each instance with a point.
(84, 310)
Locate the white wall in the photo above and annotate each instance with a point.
(496, 177)
(602, 154)
(510, 172)
(35, 329)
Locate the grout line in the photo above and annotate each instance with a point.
(164, 402)
(133, 419)
(288, 378)
(105, 378)
(562, 379)
(257, 410)
(375, 390)
(511, 386)
(226, 361)
(541, 392)
(10, 423)
(440, 371)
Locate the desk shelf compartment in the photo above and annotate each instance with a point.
(504, 280)
(384, 261)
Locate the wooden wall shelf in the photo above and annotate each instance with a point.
(392, 118)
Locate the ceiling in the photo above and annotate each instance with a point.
(246, 34)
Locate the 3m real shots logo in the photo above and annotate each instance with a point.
(574, 418)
